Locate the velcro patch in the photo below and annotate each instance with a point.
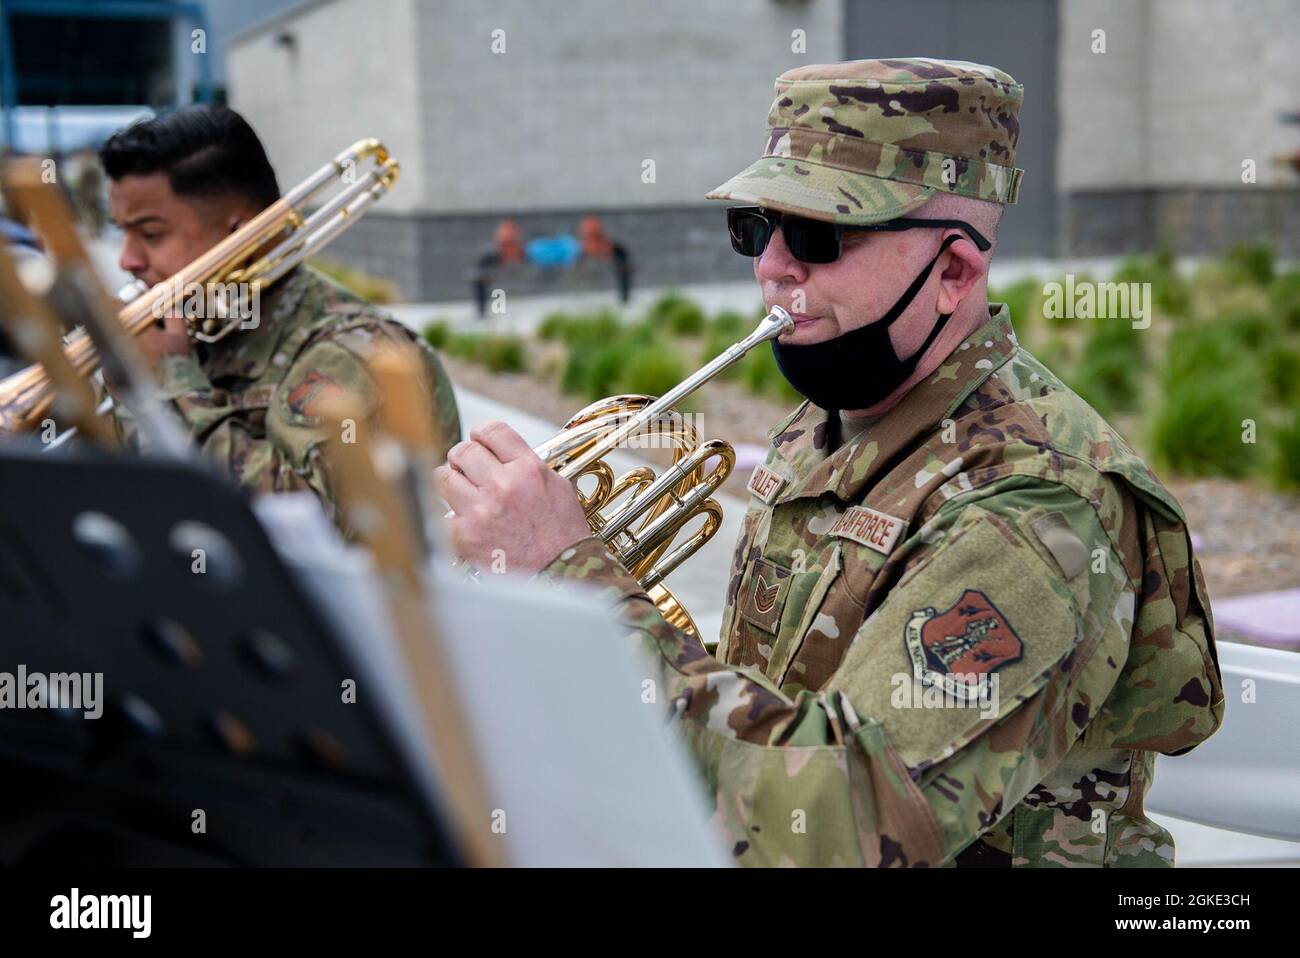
(867, 527)
(1054, 532)
(766, 484)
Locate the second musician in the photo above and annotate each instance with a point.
(178, 185)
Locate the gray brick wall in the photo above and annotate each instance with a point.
(1190, 221)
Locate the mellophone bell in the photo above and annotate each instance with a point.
(192, 677)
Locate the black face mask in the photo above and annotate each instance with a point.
(860, 368)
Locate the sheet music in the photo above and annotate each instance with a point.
(585, 773)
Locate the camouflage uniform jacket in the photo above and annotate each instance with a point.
(991, 528)
(251, 401)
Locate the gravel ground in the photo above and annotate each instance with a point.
(1248, 536)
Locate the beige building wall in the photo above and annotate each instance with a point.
(1185, 92)
(331, 72)
(584, 93)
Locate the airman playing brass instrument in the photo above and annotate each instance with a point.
(241, 260)
(638, 515)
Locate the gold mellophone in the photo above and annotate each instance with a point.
(638, 515)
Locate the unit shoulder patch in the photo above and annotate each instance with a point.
(305, 398)
(957, 649)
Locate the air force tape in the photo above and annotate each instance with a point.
(870, 528)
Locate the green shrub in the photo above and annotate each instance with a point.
(677, 313)
(373, 289)
(755, 372)
(577, 368)
(1173, 295)
(730, 323)
(463, 345)
(1106, 380)
(1209, 285)
(1022, 298)
(684, 318)
(1208, 385)
(1284, 299)
(599, 355)
(1280, 370)
(1055, 352)
(1201, 351)
(588, 337)
(761, 375)
(1109, 371)
(1286, 454)
(667, 302)
(600, 326)
(553, 326)
(604, 369)
(715, 342)
(500, 353)
(1197, 428)
(1170, 293)
(436, 333)
(1251, 263)
(652, 373)
(1250, 330)
(644, 335)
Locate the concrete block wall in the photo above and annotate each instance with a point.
(1155, 130)
(556, 126)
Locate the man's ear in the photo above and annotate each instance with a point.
(239, 214)
(963, 267)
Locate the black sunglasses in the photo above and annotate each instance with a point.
(817, 241)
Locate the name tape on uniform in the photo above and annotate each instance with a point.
(870, 528)
(766, 484)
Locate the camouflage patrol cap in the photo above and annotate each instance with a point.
(869, 140)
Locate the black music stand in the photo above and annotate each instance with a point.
(222, 689)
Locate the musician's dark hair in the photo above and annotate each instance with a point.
(206, 151)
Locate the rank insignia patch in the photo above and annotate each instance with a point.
(761, 597)
(960, 648)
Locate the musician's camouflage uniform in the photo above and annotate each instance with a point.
(251, 401)
(991, 528)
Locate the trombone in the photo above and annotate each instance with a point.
(284, 226)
